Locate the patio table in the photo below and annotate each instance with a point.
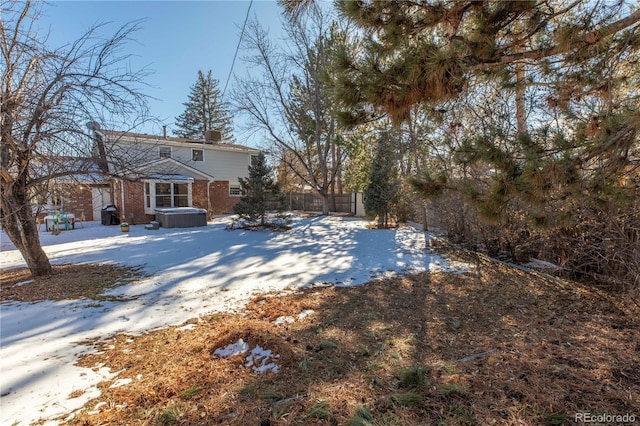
(61, 221)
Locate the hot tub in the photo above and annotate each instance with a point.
(181, 217)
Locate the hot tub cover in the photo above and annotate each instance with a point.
(180, 210)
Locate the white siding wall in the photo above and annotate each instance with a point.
(222, 165)
(229, 165)
(222, 162)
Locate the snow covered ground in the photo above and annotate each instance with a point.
(193, 272)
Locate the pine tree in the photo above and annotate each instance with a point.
(436, 54)
(430, 52)
(204, 111)
(260, 192)
(383, 183)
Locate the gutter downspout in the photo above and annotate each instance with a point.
(209, 182)
(123, 214)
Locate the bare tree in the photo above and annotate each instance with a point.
(293, 102)
(47, 98)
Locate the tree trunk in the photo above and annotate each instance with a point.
(425, 225)
(339, 186)
(325, 204)
(332, 207)
(332, 199)
(20, 225)
(521, 107)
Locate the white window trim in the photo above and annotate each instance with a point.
(152, 186)
(235, 185)
(148, 196)
(197, 149)
(170, 151)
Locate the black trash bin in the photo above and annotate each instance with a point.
(110, 215)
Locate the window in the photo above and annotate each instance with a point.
(197, 155)
(163, 195)
(147, 196)
(158, 194)
(164, 151)
(235, 191)
(180, 195)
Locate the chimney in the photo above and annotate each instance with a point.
(164, 131)
(212, 136)
(98, 141)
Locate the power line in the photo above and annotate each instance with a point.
(235, 55)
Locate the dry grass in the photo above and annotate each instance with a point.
(493, 346)
(67, 282)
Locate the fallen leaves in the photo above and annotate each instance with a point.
(528, 350)
(68, 282)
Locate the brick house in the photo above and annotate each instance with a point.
(68, 184)
(160, 172)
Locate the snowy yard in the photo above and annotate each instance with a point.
(193, 272)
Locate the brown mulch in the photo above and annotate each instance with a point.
(68, 282)
(494, 346)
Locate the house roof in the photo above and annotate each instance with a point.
(61, 168)
(171, 177)
(180, 168)
(173, 140)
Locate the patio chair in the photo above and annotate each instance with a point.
(63, 220)
(81, 219)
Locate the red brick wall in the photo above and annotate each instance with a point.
(133, 211)
(116, 197)
(199, 194)
(134, 199)
(77, 200)
(220, 200)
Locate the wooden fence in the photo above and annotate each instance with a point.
(313, 202)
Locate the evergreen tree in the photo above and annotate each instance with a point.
(260, 192)
(204, 111)
(436, 53)
(430, 52)
(383, 185)
(535, 111)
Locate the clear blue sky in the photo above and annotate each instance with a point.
(177, 39)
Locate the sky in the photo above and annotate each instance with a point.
(177, 39)
(192, 272)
